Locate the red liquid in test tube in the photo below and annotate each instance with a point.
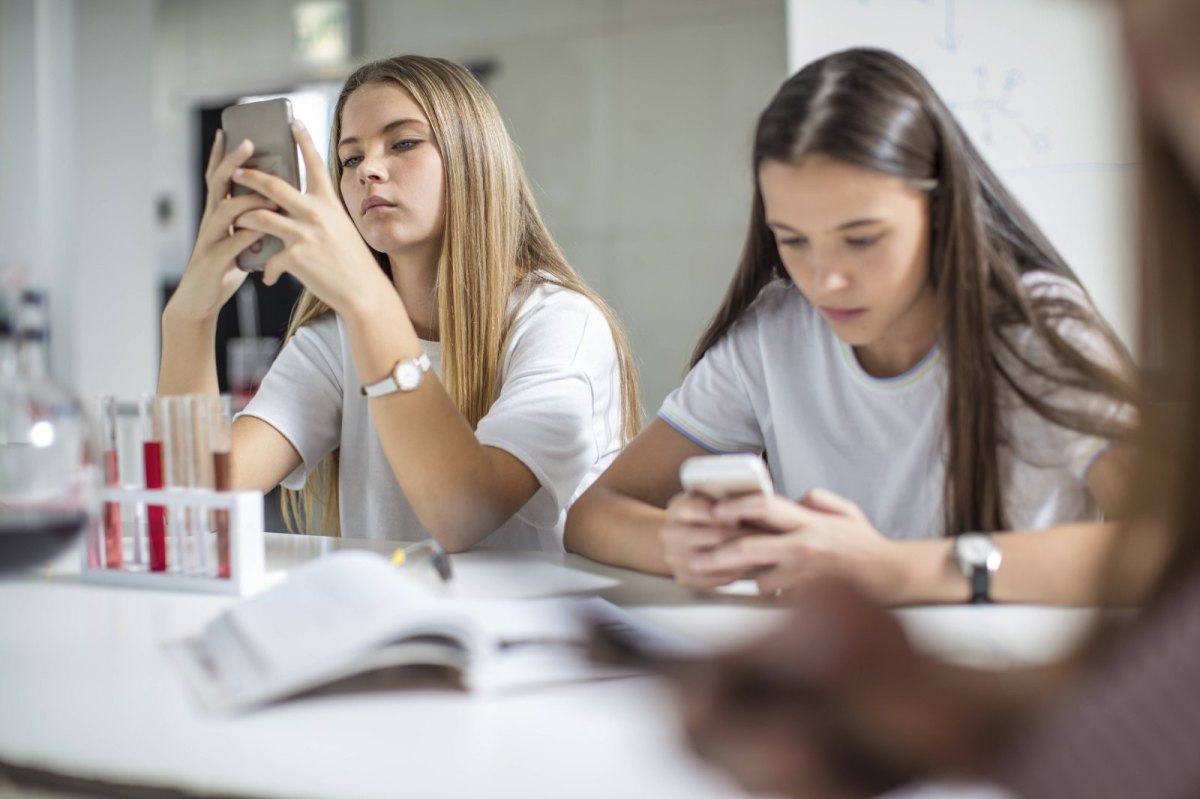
(221, 442)
(224, 482)
(151, 432)
(112, 514)
(113, 540)
(155, 514)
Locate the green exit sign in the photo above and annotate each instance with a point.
(322, 31)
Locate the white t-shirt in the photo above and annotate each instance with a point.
(558, 412)
(781, 382)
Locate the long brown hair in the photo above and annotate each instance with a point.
(871, 109)
(494, 243)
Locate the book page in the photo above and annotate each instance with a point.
(352, 612)
(325, 618)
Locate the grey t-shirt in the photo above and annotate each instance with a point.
(781, 382)
(558, 412)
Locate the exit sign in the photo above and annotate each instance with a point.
(322, 32)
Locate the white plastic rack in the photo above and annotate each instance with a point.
(246, 543)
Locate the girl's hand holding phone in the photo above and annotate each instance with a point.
(690, 535)
(322, 247)
(692, 532)
(211, 276)
(821, 535)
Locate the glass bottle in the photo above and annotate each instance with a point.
(49, 481)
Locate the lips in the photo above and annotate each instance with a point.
(375, 202)
(842, 314)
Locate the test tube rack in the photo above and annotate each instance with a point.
(246, 542)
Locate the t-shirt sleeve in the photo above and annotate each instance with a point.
(1036, 438)
(301, 396)
(714, 405)
(555, 411)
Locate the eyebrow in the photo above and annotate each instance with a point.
(846, 226)
(388, 128)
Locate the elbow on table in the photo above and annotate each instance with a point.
(454, 537)
(460, 526)
(575, 531)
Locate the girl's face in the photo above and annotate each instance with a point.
(856, 243)
(392, 179)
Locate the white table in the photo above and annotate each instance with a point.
(85, 690)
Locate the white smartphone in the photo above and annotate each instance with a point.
(722, 476)
(268, 124)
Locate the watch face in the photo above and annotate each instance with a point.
(408, 375)
(975, 549)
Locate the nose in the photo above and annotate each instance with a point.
(830, 276)
(372, 170)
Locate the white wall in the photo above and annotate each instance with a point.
(115, 280)
(37, 157)
(76, 202)
(1040, 86)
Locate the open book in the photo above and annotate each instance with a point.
(351, 616)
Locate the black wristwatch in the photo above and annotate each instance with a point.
(979, 558)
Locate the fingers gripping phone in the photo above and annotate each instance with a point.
(268, 124)
(723, 476)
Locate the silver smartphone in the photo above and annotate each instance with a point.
(722, 476)
(268, 124)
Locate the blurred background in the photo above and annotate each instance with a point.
(633, 117)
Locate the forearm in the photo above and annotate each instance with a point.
(611, 527)
(1060, 566)
(451, 480)
(189, 361)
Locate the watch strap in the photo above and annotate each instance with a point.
(981, 585)
(388, 385)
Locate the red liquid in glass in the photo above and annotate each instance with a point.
(155, 514)
(31, 537)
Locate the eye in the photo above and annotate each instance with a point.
(863, 242)
(793, 243)
(351, 161)
(406, 144)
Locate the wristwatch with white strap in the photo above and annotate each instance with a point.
(406, 375)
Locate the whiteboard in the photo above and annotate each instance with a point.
(1040, 87)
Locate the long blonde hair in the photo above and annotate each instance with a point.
(494, 241)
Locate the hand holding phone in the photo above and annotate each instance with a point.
(268, 125)
(724, 476)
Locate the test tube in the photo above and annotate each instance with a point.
(177, 457)
(113, 538)
(202, 408)
(221, 443)
(150, 424)
(131, 468)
